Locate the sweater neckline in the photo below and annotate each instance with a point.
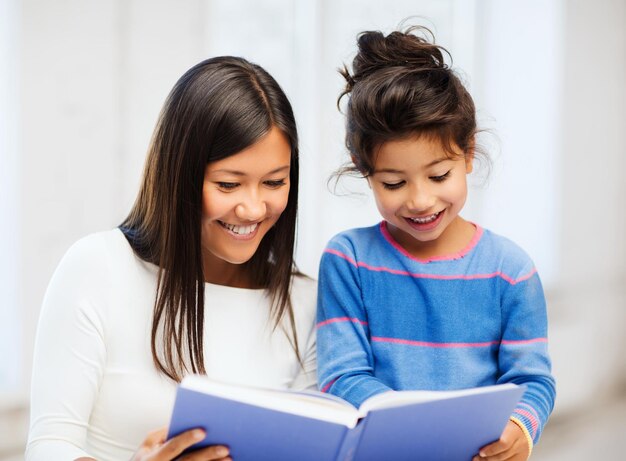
(446, 257)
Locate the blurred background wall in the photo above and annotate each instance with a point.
(82, 82)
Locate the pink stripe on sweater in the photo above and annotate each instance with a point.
(340, 319)
(328, 386)
(533, 421)
(508, 342)
(409, 342)
(524, 404)
(529, 408)
(430, 276)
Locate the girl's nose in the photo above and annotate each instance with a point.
(420, 200)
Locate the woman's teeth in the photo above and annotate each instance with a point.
(240, 230)
(426, 219)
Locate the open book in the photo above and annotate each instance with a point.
(260, 424)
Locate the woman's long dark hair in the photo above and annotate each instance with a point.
(217, 108)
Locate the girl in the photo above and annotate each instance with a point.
(426, 299)
(199, 278)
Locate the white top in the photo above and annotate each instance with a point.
(95, 389)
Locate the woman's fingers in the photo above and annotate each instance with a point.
(213, 453)
(155, 437)
(176, 445)
(156, 448)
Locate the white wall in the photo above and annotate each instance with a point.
(588, 311)
(518, 97)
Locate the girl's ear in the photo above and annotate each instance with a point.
(355, 161)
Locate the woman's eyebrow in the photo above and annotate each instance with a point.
(241, 173)
(280, 169)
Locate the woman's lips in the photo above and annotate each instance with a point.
(247, 232)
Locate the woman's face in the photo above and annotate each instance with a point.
(242, 198)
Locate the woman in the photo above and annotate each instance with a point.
(199, 278)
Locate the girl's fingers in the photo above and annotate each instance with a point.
(509, 442)
(506, 456)
(494, 449)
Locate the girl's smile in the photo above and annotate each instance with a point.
(426, 223)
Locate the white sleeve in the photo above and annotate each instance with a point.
(69, 356)
(306, 379)
(304, 299)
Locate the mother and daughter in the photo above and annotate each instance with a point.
(200, 277)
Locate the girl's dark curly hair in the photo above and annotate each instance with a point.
(401, 86)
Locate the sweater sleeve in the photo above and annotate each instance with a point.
(68, 361)
(523, 356)
(345, 359)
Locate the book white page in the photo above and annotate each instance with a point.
(393, 399)
(309, 404)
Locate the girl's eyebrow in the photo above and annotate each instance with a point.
(388, 170)
(394, 171)
(438, 160)
(241, 173)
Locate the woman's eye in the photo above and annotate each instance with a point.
(392, 186)
(442, 177)
(227, 185)
(275, 183)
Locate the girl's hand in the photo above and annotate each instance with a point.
(155, 448)
(512, 446)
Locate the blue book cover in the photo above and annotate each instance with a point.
(447, 429)
(258, 424)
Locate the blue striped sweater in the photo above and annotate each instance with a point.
(387, 320)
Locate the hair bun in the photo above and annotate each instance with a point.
(404, 50)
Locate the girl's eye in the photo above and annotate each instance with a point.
(275, 183)
(392, 186)
(227, 185)
(443, 177)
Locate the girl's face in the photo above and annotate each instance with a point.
(419, 191)
(242, 198)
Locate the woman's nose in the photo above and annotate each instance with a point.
(252, 208)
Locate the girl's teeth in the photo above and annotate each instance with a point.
(240, 230)
(425, 220)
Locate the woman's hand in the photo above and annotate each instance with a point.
(512, 446)
(155, 448)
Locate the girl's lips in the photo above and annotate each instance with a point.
(423, 227)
